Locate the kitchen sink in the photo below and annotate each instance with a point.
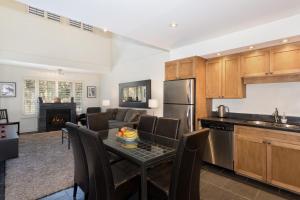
(271, 124)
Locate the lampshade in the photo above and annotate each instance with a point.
(153, 103)
(105, 102)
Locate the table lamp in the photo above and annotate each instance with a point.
(153, 103)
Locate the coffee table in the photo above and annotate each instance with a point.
(9, 145)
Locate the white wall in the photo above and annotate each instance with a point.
(263, 98)
(133, 62)
(26, 38)
(18, 74)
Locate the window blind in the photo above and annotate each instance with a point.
(47, 90)
(65, 91)
(78, 97)
(29, 97)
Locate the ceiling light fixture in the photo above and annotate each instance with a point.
(218, 54)
(285, 41)
(173, 25)
(105, 30)
(251, 47)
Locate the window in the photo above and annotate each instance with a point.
(47, 90)
(64, 91)
(78, 97)
(29, 97)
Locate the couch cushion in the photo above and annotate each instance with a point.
(116, 124)
(121, 114)
(130, 115)
(111, 113)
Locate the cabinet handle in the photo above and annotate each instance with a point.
(267, 73)
(271, 72)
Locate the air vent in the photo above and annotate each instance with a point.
(87, 27)
(75, 23)
(36, 11)
(53, 16)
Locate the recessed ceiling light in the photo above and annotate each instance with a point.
(251, 47)
(218, 54)
(173, 24)
(105, 29)
(285, 41)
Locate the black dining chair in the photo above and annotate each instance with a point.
(167, 127)
(81, 175)
(146, 124)
(180, 180)
(89, 110)
(109, 182)
(3, 115)
(98, 122)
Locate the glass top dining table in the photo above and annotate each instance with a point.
(150, 150)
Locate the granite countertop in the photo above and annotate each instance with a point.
(293, 127)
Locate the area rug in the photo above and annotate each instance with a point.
(44, 166)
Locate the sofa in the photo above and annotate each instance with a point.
(118, 118)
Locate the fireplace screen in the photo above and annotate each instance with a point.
(56, 118)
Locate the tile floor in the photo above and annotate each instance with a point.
(216, 184)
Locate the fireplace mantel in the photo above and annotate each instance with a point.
(43, 107)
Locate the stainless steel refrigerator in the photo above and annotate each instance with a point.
(179, 102)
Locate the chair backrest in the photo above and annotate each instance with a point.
(146, 124)
(3, 115)
(81, 175)
(185, 180)
(167, 127)
(97, 121)
(93, 110)
(100, 174)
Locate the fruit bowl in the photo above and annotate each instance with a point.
(127, 135)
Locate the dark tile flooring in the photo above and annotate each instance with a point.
(216, 184)
(2, 180)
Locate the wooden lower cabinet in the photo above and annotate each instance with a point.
(269, 156)
(250, 157)
(284, 165)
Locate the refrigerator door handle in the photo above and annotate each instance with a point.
(188, 119)
(188, 92)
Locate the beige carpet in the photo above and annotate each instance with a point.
(44, 166)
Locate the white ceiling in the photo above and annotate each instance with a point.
(148, 21)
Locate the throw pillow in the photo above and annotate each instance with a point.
(130, 115)
(121, 114)
(111, 113)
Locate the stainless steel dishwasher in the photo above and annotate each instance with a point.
(219, 147)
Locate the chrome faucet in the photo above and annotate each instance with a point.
(276, 115)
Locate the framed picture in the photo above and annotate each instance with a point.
(91, 92)
(8, 89)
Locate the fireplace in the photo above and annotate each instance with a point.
(56, 118)
(53, 116)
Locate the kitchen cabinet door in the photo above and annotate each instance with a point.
(285, 59)
(284, 165)
(171, 72)
(250, 157)
(186, 68)
(255, 63)
(214, 78)
(232, 84)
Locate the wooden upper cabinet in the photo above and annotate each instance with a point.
(250, 157)
(223, 78)
(171, 72)
(186, 68)
(285, 59)
(232, 81)
(255, 63)
(214, 78)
